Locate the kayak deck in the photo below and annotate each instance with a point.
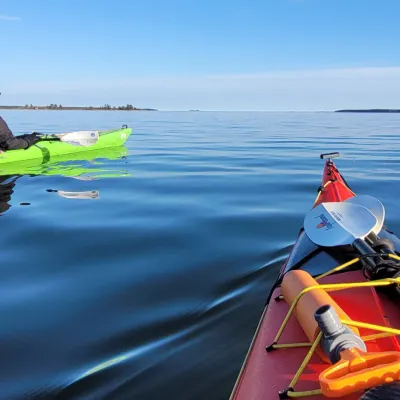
(46, 150)
(265, 374)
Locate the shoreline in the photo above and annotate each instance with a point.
(372, 110)
(76, 108)
(128, 107)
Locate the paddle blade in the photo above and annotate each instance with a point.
(81, 138)
(373, 205)
(338, 223)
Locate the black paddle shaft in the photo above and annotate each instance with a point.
(364, 248)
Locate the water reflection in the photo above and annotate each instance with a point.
(87, 166)
(7, 184)
(70, 165)
(88, 195)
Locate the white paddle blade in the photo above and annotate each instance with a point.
(338, 223)
(81, 138)
(373, 205)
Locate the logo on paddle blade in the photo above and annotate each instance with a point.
(324, 223)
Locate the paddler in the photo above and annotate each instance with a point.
(10, 142)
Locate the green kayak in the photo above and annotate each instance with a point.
(45, 151)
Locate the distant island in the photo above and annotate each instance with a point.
(106, 107)
(373, 110)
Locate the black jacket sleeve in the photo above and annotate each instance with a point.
(15, 143)
(9, 142)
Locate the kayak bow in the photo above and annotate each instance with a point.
(331, 324)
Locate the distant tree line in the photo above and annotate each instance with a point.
(128, 107)
(49, 107)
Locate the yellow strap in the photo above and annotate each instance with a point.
(338, 268)
(348, 263)
(323, 187)
(371, 326)
(332, 287)
(376, 336)
(290, 345)
(304, 394)
(306, 360)
(394, 257)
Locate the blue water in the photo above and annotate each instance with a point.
(154, 289)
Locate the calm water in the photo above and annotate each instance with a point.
(154, 289)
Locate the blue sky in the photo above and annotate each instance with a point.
(209, 54)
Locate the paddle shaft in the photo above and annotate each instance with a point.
(364, 248)
(50, 139)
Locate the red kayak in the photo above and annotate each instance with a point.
(338, 341)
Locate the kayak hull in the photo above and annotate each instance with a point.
(45, 151)
(265, 374)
